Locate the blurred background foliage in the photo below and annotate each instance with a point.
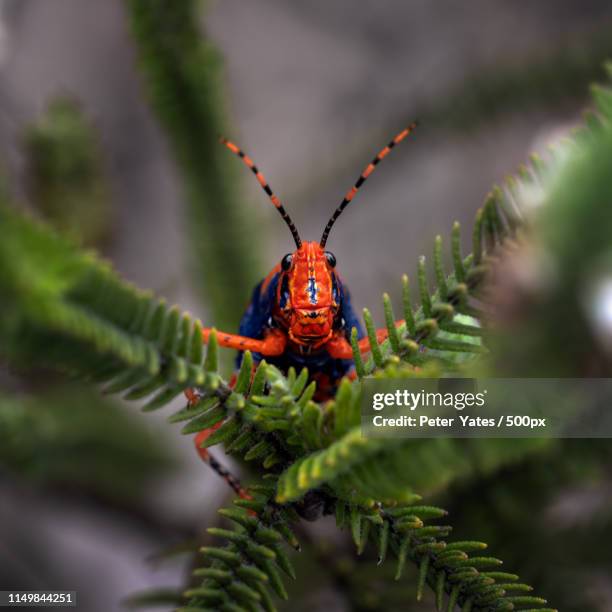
(183, 78)
(312, 93)
(65, 169)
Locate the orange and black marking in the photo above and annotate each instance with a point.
(231, 480)
(221, 470)
(265, 186)
(362, 179)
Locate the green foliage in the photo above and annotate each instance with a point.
(270, 419)
(391, 470)
(457, 577)
(499, 506)
(442, 325)
(68, 310)
(183, 79)
(148, 349)
(42, 435)
(242, 572)
(569, 260)
(64, 177)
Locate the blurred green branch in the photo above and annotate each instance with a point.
(562, 314)
(183, 77)
(65, 180)
(71, 436)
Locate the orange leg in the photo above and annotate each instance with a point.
(193, 397)
(203, 435)
(340, 348)
(231, 480)
(272, 344)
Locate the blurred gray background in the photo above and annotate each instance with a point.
(315, 89)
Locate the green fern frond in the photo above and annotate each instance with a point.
(390, 470)
(437, 329)
(457, 572)
(240, 575)
(70, 311)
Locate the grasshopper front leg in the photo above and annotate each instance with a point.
(272, 344)
(340, 348)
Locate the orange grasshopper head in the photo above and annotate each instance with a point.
(309, 291)
(308, 295)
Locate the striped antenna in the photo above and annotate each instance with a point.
(262, 181)
(362, 178)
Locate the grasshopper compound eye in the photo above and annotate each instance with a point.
(331, 258)
(286, 261)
